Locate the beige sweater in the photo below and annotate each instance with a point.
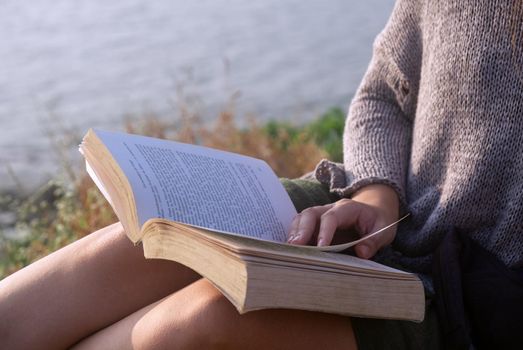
(439, 116)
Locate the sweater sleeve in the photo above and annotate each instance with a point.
(378, 130)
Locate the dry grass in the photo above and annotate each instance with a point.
(288, 155)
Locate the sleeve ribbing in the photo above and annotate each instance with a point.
(378, 129)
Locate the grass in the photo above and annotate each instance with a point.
(64, 211)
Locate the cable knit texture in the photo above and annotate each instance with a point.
(438, 116)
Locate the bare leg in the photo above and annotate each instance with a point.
(199, 317)
(82, 288)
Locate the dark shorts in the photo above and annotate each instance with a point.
(371, 333)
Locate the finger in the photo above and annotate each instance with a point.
(328, 225)
(307, 224)
(294, 227)
(368, 248)
(345, 214)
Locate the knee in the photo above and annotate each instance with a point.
(216, 322)
(204, 320)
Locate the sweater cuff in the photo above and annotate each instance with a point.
(343, 183)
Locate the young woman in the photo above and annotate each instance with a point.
(435, 129)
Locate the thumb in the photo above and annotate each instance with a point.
(368, 248)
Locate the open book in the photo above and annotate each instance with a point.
(226, 216)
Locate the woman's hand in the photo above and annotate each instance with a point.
(370, 209)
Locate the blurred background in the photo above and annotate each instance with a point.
(67, 65)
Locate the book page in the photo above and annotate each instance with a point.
(296, 253)
(203, 187)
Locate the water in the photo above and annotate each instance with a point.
(92, 61)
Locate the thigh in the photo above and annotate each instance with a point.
(199, 316)
(82, 288)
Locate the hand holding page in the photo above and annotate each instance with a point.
(344, 246)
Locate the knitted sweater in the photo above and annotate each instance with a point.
(439, 117)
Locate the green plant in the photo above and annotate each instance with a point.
(327, 132)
